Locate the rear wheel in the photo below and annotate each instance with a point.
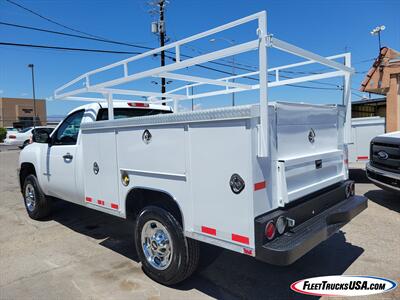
(167, 256)
(36, 203)
(24, 144)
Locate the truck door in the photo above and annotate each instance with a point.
(60, 159)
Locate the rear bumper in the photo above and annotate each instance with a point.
(316, 220)
(12, 142)
(384, 179)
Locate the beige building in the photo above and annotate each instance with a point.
(18, 112)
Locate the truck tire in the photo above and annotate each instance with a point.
(167, 256)
(37, 204)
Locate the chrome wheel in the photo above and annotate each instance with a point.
(30, 197)
(156, 245)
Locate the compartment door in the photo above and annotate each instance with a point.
(307, 174)
(100, 169)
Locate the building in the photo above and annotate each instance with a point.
(19, 113)
(384, 78)
(369, 108)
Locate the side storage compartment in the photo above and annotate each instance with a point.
(154, 158)
(100, 168)
(220, 153)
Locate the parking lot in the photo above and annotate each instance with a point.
(80, 253)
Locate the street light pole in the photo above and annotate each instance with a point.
(377, 31)
(232, 42)
(31, 66)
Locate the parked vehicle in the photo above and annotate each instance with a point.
(268, 180)
(22, 138)
(11, 131)
(363, 131)
(383, 168)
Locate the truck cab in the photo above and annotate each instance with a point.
(383, 168)
(56, 159)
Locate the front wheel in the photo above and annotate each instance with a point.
(36, 203)
(167, 256)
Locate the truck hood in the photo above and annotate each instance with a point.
(395, 134)
(392, 138)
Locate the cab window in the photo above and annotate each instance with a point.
(122, 113)
(67, 133)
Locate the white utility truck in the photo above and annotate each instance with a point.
(269, 180)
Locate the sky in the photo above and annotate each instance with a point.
(324, 27)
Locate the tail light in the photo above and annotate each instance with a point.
(138, 104)
(11, 136)
(270, 230)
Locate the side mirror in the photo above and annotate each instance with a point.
(40, 136)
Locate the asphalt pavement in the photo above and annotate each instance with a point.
(80, 253)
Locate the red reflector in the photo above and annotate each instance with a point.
(209, 230)
(11, 136)
(270, 230)
(101, 202)
(240, 238)
(362, 157)
(89, 199)
(247, 251)
(113, 205)
(138, 104)
(260, 185)
(346, 161)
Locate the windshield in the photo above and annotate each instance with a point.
(122, 113)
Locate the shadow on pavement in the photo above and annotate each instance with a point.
(384, 198)
(222, 274)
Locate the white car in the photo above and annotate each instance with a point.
(20, 138)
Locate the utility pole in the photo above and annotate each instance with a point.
(158, 27)
(31, 66)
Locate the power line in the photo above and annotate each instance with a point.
(110, 41)
(337, 88)
(149, 48)
(129, 52)
(50, 20)
(67, 48)
(73, 35)
(102, 39)
(98, 38)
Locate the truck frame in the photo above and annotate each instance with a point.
(269, 180)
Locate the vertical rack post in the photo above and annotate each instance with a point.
(110, 106)
(263, 77)
(347, 100)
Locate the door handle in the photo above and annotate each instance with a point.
(68, 156)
